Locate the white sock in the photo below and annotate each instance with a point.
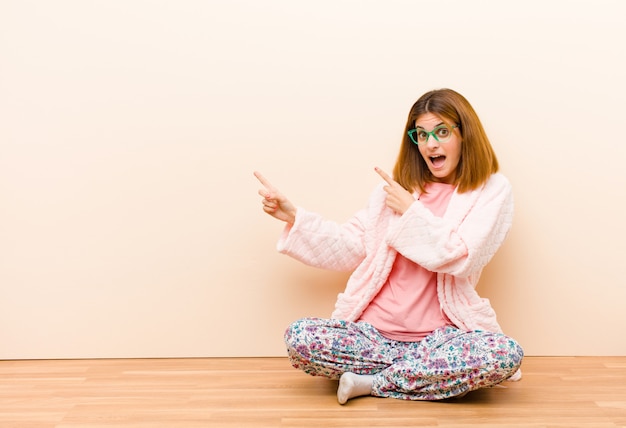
(353, 385)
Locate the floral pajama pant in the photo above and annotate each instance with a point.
(447, 363)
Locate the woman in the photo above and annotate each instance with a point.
(410, 324)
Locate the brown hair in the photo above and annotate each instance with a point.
(478, 160)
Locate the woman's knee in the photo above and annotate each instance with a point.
(305, 349)
(506, 358)
(516, 354)
(501, 355)
(298, 335)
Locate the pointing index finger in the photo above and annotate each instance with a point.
(385, 176)
(263, 181)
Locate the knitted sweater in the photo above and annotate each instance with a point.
(456, 246)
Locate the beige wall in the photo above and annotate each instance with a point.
(129, 130)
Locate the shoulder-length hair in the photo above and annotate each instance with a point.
(478, 160)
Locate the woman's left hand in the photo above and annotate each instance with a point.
(398, 198)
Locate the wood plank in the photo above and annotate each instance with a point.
(266, 392)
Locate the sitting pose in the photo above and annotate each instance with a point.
(410, 323)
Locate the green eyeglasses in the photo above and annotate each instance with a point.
(441, 134)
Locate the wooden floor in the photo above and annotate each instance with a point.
(267, 392)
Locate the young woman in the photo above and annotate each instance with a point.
(410, 323)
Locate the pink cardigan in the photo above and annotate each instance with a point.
(457, 247)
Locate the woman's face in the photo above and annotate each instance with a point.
(442, 157)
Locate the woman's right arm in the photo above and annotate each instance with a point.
(311, 239)
(323, 243)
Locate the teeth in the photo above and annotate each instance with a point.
(435, 159)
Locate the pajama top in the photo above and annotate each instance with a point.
(457, 246)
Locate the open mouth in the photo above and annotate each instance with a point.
(437, 161)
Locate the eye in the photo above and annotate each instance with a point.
(442, 132)
(422, 135)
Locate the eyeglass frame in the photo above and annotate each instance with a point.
(429, 134)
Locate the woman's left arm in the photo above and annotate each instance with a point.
(465, 239)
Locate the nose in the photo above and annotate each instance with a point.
(432, 142)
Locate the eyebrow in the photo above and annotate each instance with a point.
(421, 127)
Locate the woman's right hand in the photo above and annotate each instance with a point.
(274, 203)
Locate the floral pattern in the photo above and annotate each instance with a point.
(449, 362)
